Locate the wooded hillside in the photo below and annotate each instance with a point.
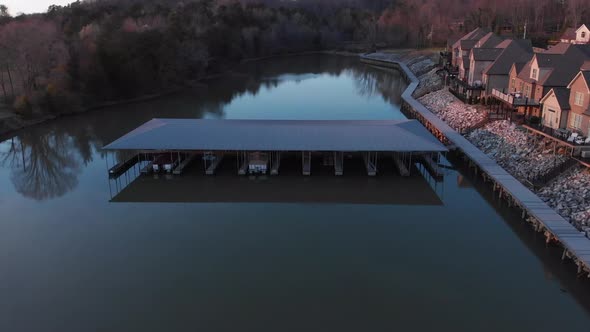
(111, 49)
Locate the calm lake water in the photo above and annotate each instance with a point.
(81, 253)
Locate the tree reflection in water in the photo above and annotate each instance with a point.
(44, 165)
(371, 82)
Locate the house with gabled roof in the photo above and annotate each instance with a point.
(497, 75)
(480, 59)
(583, 34)
(554, 68)
(580, 35)
(556, 108)
(568, 36)
(462, 47)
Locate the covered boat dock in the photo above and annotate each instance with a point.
(258, 145)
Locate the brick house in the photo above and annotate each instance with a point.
(497, 75)
(556, 108)
(553, 69)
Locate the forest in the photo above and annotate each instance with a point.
(88, 52)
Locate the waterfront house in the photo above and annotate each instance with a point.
(473, 54)
(552, 69)
(579, 101)
(581, 35)
(497, 75)
(462, 47)
(479, 60)
(556, 108)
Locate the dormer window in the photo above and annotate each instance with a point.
(583, 34)
(534, 74)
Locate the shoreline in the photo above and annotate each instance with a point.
(9, 125)
(544, 219)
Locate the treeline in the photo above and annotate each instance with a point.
(100, 50)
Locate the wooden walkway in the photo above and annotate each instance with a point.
(545, 219)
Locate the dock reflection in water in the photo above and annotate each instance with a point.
(355, 187)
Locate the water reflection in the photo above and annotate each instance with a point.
(46, 165)
(45, 161)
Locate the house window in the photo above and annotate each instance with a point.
(534, 74)
(579, 99)
(576, 121)
(527, 90)
(583, 34)
(513, 84)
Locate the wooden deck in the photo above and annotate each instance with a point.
(544, 218)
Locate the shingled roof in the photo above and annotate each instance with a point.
(517, 51)
(486, 54)
(567, 66)
(561, 64)
(562, 95)
(468, 44)
(490, 40)
(472, 36)
(466, 62)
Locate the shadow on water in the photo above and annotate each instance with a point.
(355, 187)
(555, 268)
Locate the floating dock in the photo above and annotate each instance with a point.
(124, 166)
(184, 163)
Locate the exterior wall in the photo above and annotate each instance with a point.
(534, 67)
(584, 123)
(512, 81)
(577, 111)
(583, 35)
(498, 82)
(462, 72)
(456, 57)
(476, 71)
(552, 113)
(525, 88)
(579, 86)
(472, 65)
(539, 92)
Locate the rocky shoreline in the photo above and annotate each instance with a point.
(520, 155)
(454, 112)
(569, 195)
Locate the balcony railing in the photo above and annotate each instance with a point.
(467, 86)
(514, 99)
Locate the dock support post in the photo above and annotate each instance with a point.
(371, 163)
(275, 162)
(338, 163)
(306, 162)
(242, 162)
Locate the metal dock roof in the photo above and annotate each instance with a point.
(279, 135)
